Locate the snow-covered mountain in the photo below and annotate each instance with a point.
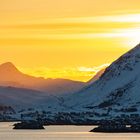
(11, 76)
(115, 93)
(117, 89)
(23, 92)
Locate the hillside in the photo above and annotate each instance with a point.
(116, 91)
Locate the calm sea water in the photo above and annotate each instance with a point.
(60, 133)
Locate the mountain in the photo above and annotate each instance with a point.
(97, 76)
(20, 98)
(11, 76)
(17, 97)
(115, 93)
(118, 89)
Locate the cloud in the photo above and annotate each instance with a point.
(93, 69)
(79, 73)
(113, 26)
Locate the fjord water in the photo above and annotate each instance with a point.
(60, 133)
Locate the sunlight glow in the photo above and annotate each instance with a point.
(82, 73)
(65, 39)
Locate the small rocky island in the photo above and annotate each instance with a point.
(117, 127)
(32, 121)
(28, 125)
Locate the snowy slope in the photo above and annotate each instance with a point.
(118, 87)
(25, 98)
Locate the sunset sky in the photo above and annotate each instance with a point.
(67, 38)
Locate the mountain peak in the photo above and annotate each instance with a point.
(8, 63)
(8, 66)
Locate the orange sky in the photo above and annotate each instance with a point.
(67, 38)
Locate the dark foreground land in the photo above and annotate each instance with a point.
(117, 129)
(29, 125)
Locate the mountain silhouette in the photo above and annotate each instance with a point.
(11, 76)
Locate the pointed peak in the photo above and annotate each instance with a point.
(8, 66)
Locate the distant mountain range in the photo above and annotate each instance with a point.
(20, 90)
(11, 76)
(114, 91)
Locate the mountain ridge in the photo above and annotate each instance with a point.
(117, 88)
(115, 93)
(11, 76)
